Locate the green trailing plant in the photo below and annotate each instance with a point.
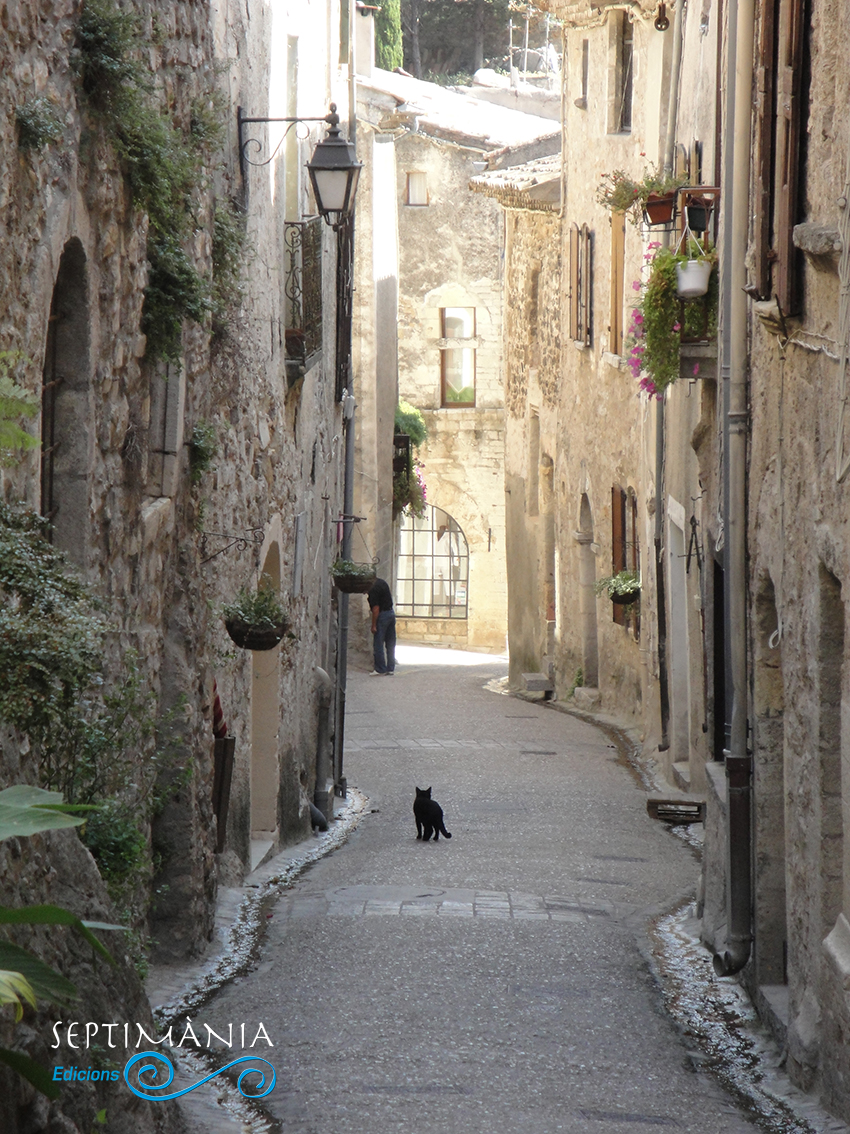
(163, 167)
(409, 491)
(16, 403)
(229, 250)
(578, 682)
(203, 448)
(89, 739)
(624, 194)
(38, 123)
(661, 320)
(409, 420)
(348, 568)
(50, 634)
(258, 607)
(623, 586)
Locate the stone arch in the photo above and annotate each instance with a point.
(587, 594)
(265, 726)
(66, 416)
(770, 787)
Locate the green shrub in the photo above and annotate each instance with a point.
(259, 608)
(202, 449)
(409, 420)
(38, 123)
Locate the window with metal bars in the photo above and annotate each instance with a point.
(432, 568)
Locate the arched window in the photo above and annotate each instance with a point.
(432, 573)
(65, 410)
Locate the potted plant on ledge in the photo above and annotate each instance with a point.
(255, 620)
(663, 317)
(353, 578)
(652, 198)
(622, 588)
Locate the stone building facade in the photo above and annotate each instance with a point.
(738, 681)
(162, 538)
(449, 565)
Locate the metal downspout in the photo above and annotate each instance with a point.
(736, 186)
(660, 581)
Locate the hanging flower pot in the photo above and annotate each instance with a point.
(692, 278)
(353, 578)
(255, 620)
(660, 209)
(626, 599)
(252, 637)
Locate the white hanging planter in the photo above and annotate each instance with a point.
(692, 278)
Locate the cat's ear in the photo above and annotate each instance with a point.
(428, 791)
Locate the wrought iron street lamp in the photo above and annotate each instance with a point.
(334, 169)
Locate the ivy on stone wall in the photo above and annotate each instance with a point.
(164, 166)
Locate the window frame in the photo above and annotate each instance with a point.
(451, 343)
(407, 194)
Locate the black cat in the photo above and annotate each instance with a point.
(429, 816)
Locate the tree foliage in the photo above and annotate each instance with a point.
(388, 41)
(444, 37)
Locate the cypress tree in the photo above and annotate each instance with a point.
(388, 49)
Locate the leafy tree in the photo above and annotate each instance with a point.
(388, 41)
(447, 37)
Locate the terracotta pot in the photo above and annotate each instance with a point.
(692, 278)
(660, 210)
(248, 637)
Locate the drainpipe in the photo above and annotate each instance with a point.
(321, 795)
(736, 192)
(348, 407)
(660, 580)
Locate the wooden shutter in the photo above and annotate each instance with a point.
(789, 124)
(764, 147)
(586, 282)
(575, 269)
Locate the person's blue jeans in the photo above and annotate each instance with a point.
(384, 642)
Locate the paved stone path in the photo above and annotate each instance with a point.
(495, 982)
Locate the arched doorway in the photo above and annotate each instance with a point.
(265, 725)
(65, 411)
(587, 595)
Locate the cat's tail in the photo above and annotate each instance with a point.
(444, 832)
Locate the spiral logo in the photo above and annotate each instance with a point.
(149, 1088)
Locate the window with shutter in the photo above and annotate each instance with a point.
(781, 107)
(581, 283)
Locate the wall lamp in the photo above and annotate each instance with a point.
(334, 169)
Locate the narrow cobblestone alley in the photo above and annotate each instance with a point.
(490, 983)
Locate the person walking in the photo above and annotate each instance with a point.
(383, 627)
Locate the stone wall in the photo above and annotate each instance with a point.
(450, 256)
(162, 549)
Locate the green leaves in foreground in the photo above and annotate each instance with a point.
(26, 810)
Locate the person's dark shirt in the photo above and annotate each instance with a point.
(380, 596)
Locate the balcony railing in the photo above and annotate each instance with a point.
(303, 291)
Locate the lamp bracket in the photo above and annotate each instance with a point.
(240, 542)
(246, 143)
